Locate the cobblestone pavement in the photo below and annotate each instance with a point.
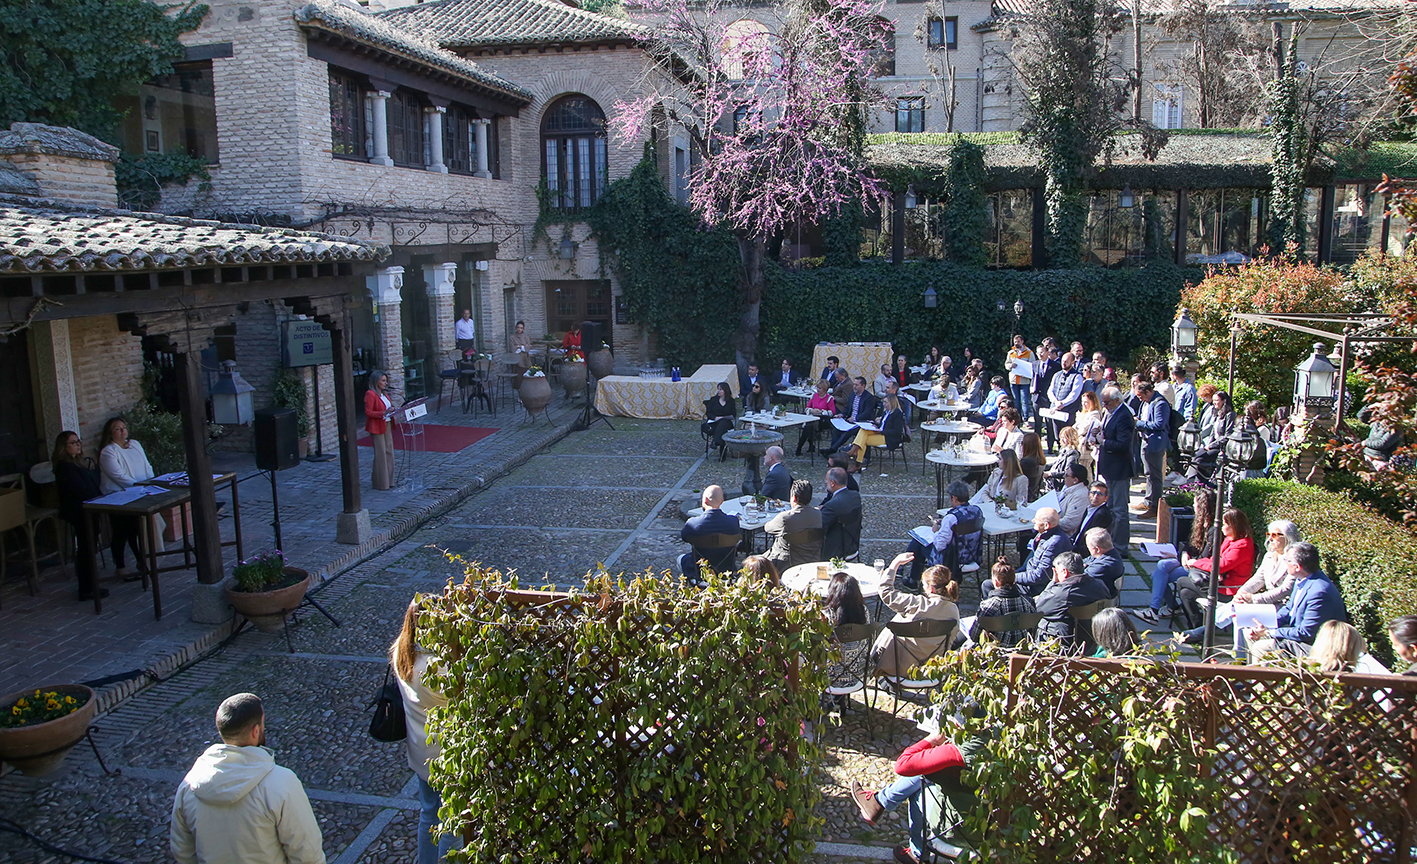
(600, 496)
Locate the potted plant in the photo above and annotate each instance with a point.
(264, 590)
(288, 391)
(1175, 506)
(1001, 502)
(573, 374)
(535, 391)
(39, 727)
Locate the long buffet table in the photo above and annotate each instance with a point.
(661, 398)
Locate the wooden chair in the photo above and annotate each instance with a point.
(924, 628)
(849, 634)
(28, 518)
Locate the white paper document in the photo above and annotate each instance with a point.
(129, 495)
(1053, 415)
(1159, 550)
(1247, 615)
(924, 533)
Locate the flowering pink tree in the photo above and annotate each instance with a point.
(773, 99)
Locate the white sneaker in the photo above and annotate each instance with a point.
(1173, 479)
(1148, 615)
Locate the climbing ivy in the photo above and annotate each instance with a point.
(141, 179)
(1116, 310)
(678, 277)
(966, 216)
(636, 720)
(1286, 197)
(841, 236)
(63, 62)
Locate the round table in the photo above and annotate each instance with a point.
(939, 407)
(802, 393)
(955, 430)
(803, 578)
(946, 462)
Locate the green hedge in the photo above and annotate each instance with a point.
(1112, 310)
(1373, 560)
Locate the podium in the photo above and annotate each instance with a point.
(409, 418)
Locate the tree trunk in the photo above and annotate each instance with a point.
(751, 251)
(1136, 60)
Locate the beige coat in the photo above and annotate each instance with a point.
(237, 806)
(910, 607)
(417, 701)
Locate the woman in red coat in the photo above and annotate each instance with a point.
(930, 759)
(378, 422)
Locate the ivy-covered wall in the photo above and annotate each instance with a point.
(1112, 310)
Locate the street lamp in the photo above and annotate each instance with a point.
(231, 397)
(1313, 383)
(1018, 309)
(910, 200)
(1239, 449)
(1183, 336)
(932, 299)
(1188, 440)
(1127, 199)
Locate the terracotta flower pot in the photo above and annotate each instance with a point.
(601, 363)
(267, 609)
(573, 378)
(535, 394)
(39, 749)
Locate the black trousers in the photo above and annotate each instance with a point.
(83, 562)
(126, 533)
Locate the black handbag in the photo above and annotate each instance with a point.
(388, 723)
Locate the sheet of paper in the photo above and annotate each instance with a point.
(124, 496)
(1249, 615)
(923, 533)
(170, 476)
(1048, 500)
(1053, 415)
(842, 424)
(1159, 550)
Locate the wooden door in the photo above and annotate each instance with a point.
(569, 301)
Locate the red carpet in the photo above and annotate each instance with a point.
(438, 439)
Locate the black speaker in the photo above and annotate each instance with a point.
(276, 446)
(592, 334)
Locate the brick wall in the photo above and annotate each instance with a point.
(78, 181)
(108, 372)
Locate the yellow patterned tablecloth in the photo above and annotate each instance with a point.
(863, 360)
(661, 398)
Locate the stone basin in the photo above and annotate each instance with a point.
(751, 446)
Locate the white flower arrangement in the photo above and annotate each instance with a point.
(534, 372)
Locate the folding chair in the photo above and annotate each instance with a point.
(924, 628)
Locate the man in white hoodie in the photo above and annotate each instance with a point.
(236, 805)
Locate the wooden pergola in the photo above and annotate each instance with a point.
(176, 281)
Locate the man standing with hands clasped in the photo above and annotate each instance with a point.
(236, 805)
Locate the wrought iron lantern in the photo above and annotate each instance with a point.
(231, 397)
(1314, 381)
(1183, 336)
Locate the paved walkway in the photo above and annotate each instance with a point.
(52, 638)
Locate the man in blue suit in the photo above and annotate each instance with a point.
(1314, 602)
(711, 523)
(777, 482)
(1114, 463)
(1154, 426)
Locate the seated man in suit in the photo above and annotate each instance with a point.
(841, 390)
(1098, 515)
(1049, 542)
(746, 382)
(844, 463)
(1313, 602)
(829, 373)
(710, 524)
(776, 482)
(1104, 562)
(861, 407)
(1070, 587)
(787, 547)
(787, 379)
(841, 517)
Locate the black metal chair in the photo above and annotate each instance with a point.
(1001, 624)
(850, 634)
(1083, 615)
(924, 628)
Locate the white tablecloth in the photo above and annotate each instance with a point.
(803, 578)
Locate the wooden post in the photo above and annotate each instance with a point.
(345, 417)
(897, 228)
(206, 533)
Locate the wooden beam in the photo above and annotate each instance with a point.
(206, 533)
(345, 417)
(182, 297)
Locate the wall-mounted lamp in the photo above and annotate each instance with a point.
(910, 199)
(568, 249)
(932, 299)
(1127, 199)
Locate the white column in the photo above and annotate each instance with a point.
(386, 287)
(381, 128)
(439, 279)
(435, 141)
(480, 128)
(53, 367)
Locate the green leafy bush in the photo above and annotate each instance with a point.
(1373, 560)
(289, 392)
(1244, 394)
(1116, 310)
(260, 572)
(630, 721)
(160, 433)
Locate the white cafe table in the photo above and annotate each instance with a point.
(946, 463)
(766, 420)
(922, 387)
(940, 407)
(803, 393)
(997, 528)
(955, 430)
(803, 578)
(750, 521)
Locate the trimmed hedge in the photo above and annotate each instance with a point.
(1373, 560)
(1112, 310)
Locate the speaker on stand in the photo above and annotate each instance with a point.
(592, 337)
(277, 448)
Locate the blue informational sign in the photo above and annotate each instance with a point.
(306, 343)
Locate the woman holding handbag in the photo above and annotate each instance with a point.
(378, 422)
(410, 664)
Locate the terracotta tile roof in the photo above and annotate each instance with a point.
(48, 237)
(355, 24)
(474, 23)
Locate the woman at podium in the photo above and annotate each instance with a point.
(379, 423)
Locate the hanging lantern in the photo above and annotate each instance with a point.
(1127, 199)
(1314, 381)
(931, 298)
(910, 200)
(1240, 444)
(231, 397)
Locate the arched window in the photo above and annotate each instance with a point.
(573, 154)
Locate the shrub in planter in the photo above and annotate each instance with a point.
(264, 589)
(1373, 560)
(630, 720)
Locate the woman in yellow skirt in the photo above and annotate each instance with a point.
(892, 427)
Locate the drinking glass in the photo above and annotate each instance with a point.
(880, 566)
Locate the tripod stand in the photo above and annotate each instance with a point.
(590, 414)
